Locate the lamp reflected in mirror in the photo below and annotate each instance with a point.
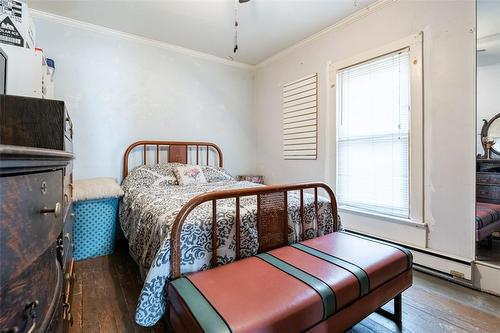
(488, 142)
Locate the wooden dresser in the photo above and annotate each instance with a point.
(488, 181)
(36, 262)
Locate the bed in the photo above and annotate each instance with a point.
(169, 227)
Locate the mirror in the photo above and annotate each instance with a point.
(494, 130)
(490, 137)
(488, 77)
(488, 133)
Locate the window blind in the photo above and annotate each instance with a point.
(300, 106)
(373, 103)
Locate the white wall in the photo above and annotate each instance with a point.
(488, 98)
(449, 117)
(120, 90)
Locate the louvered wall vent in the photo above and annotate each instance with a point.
(300, 119)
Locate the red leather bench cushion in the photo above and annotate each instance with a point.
(487, 219)
(289, 289)
(486, 213)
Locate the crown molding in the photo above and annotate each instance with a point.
(201, 55)
(338, 25)
(124, 35)
(489, 38)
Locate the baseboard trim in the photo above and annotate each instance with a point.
(459, 268)
(444, 276)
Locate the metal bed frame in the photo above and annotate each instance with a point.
(272, 205)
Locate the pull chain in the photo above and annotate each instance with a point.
(235, 26)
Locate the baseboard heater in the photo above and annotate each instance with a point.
(427, 261)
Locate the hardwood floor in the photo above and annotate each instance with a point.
(107, 288)
(106, 292)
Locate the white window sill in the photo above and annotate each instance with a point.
(383, 217)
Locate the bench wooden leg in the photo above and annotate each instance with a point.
(489, 245)
(397, 315)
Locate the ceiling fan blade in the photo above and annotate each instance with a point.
(243, 1)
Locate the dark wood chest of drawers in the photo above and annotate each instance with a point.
(488, 181)
(488, 187)
(31, 252)
(35, 122)
(36, 220)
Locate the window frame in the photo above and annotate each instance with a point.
(416, 150)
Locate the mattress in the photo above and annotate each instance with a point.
(150, 205)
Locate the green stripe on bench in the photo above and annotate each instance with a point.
(326, 293)
(360, 274)
(205, 314)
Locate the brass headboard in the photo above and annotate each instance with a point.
(177, 152)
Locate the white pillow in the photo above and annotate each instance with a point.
(189, 175)
(215, 174)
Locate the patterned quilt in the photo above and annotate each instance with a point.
(150, 205)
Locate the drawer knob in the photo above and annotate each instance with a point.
(30, 311)
(67, 313)
(56, 210)
(44, 188)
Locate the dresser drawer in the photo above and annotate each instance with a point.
(68, 187)
(488, 192)
(30, 219)
(56, 323)
(69, 283)
(68, 239)
(487, 178)
(39, 284)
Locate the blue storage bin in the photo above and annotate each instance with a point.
(94, 228)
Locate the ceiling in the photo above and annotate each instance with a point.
(265, 26)
(488, 32)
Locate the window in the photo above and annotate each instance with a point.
(373, 135)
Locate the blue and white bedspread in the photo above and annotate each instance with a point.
(150, 205)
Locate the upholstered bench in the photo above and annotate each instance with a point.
(326, 284)
(487, 220)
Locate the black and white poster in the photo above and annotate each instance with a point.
(9, 33)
